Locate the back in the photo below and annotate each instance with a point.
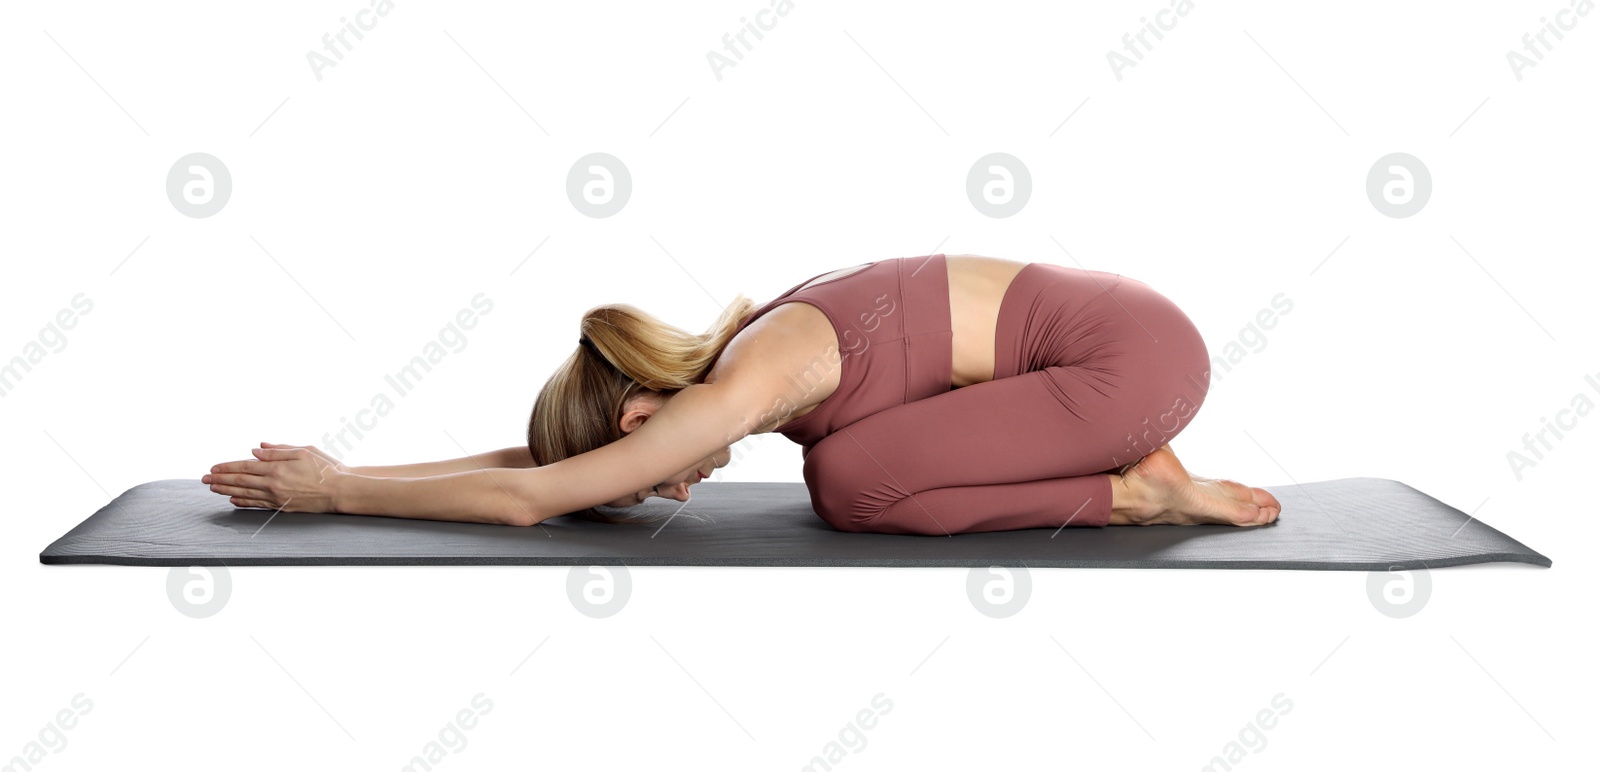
(892, 322)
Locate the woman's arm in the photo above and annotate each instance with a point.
(507, 458)
(695, 423)
(698, 421)
(487, 495)
(300, 479)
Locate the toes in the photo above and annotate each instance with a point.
(1270, 507)
(1264, 499)
(1249, 514)
(1232, 510)
(1231, 503)
(1245, 513)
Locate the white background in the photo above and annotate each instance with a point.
(370, 206)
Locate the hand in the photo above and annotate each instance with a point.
(287, 478)
(334, 462)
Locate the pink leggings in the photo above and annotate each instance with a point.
(1092, 371)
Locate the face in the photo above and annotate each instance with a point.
(677, 486)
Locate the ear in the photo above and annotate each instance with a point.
(640, 408)
(633, 419)
(636, 416)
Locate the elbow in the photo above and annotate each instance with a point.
(511, 507)
(514, 499)
(520, 517)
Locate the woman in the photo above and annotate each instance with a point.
(931, 395)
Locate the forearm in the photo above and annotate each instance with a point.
(508, 458)
(497, 496)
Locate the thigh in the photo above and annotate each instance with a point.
(997, 455)
(1012, 429)
(1133, 374)
(1133, 365)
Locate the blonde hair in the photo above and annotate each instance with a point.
(635, 354)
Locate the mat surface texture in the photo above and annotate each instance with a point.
(1351, 524)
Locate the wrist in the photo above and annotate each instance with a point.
(343, 490)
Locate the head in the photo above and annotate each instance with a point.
(598, 396)
(635, 412)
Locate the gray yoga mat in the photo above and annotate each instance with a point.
(1353, 524)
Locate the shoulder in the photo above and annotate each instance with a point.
(759, 363)
(782, 333)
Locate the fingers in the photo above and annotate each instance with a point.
(277, 446)
(276, 454)
(263, 456)
(241, 467)
(241, 480)
(241, 492)
(242, 502)
(268, 451)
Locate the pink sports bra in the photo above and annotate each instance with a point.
(892, 319)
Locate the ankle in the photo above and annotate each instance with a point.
(1132, 502)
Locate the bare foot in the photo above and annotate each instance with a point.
(1168, 495)
(1258, 496)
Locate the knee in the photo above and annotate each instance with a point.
(1161, 402)
(1195, 370)
(1182, 348)
(1194, 377)
(842, 520)
(1177, 373)
(1192, 358)
(838, 484)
